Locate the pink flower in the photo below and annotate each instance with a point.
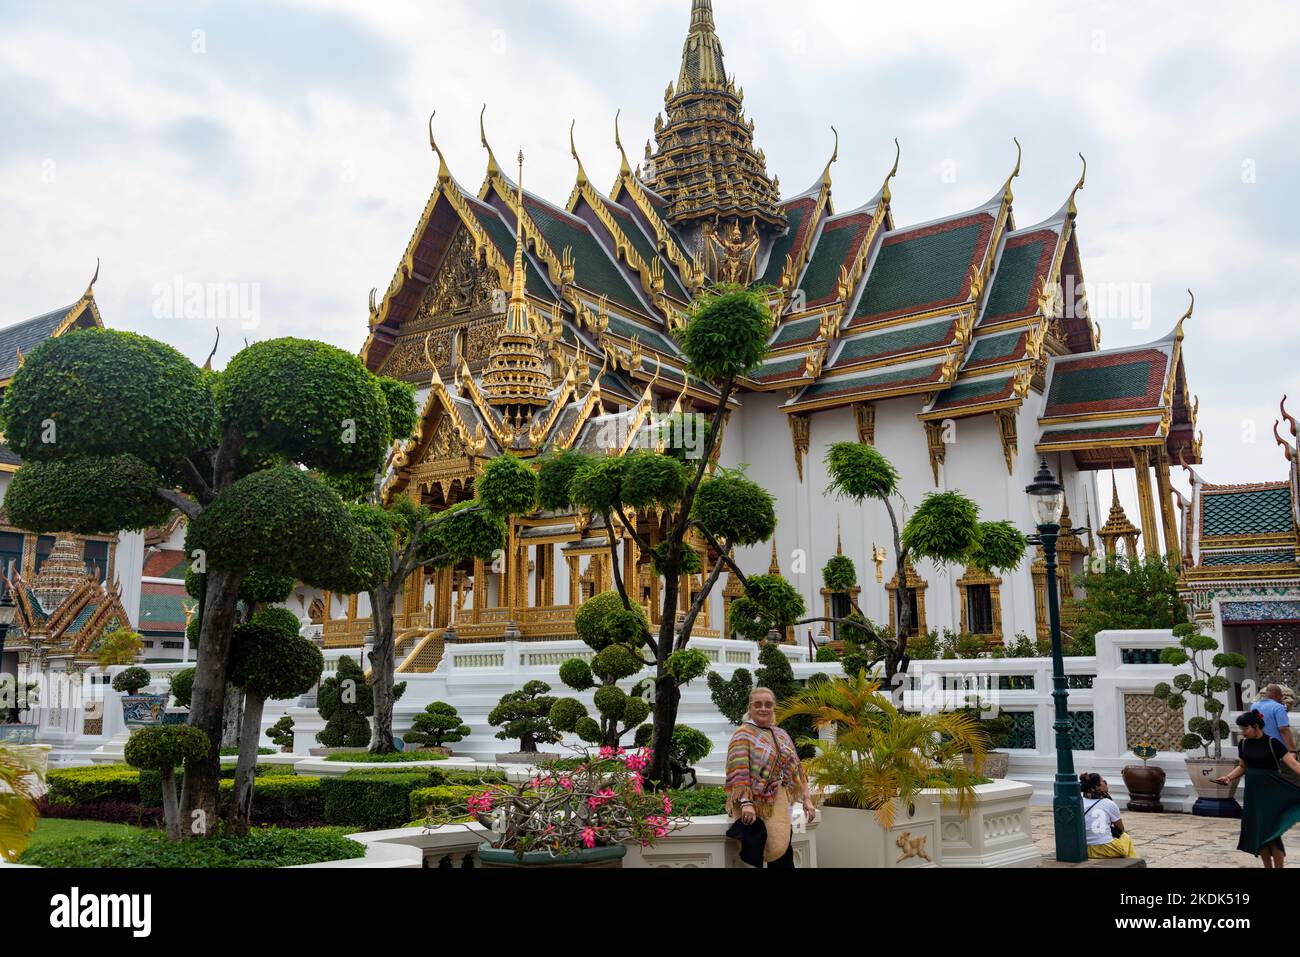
(567, 783)
(601, 797)
(606, 753)
(480, 803)
(636, 782)
(668, 805)
(589, 837)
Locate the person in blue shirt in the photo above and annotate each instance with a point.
(1276, 722)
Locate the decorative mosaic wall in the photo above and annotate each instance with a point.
(1149, 720)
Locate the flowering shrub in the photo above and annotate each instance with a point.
(600, 802)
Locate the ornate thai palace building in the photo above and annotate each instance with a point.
(532, 327)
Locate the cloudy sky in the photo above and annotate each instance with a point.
(282, 147)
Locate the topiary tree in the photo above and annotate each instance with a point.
(269, 660)
(163, 749)
(945, 528)
(346, 702)
(242, 453)
(616, 634)
(525, 715)
(121, 646)
(182, 687)
(437, 726)
(677, 499)
(731, 696)
(132, 680)
(281, 733)
(413, 537)
(1205, 729)
(689, 747)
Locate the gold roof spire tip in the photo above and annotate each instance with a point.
(444, 174)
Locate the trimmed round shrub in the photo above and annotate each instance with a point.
(403, 414)
(687, 665)
(604, 620)
(859, 472)
(770, 603)
(437, 725)
(690, 745)
(610, 702)
(576, 674)
(132, 680)
(166, 747)
(507, 487)
(840, 575)
(735, 509)
(635, 711)
(999, 546)
(598, 485)
(183, 686)
(651, 479)
(615, 663)
(273, 664)
(826, 656)
(588, 730)
(554, 478)
(943, 528)
(51, 496)
(566, 713)
(727, 334)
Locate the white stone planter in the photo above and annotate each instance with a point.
(994, 832)
(703, 844)
(848, 837)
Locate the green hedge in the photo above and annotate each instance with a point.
(699, 802)
(151, 781)
(426, 801)
(374, 800)
(102, 784)
(282, 800)
(398, 757)
(264, 847)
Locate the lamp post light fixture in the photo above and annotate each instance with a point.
(1047, 503)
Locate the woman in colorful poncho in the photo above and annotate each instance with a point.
(765, 778)
(1271, 804)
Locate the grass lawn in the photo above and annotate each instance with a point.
(57, 829)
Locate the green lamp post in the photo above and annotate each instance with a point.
(1047, 502)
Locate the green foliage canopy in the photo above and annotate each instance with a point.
(727, 334)
(86, 495)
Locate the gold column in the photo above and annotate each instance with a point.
(1146, 504)
(480, 590)
(1166, 494)
(507, 574)
(575, 584)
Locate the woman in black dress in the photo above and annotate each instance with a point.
(1271, 804)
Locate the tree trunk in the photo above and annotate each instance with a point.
(903, 604)
(171, 813)
(382, 665)
(231, 716)
(239, 817)
(199, 811)
(666, 694)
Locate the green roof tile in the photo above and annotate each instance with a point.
(594, 270)
(647, 251)
(504, 238)
(793, 332)
(865, 347)
(834, 246)
(995, 348)
(917, 272)
(1128, 380)
(1248, 512)
(784, 245)
(781, 368)
(969, 393)
(1014, 283)
(1248, 558)
(867, 383)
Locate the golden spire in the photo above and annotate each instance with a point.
(1187, 315)
(1118, 525)
(1071, 209)
(775, 567)
(703, 66)
(886, 196)
(517, 313)
(90, 289)
(826, 176)
(444, 174)
(1007, 194)
(625, 168)
(493, 169)
(573, 148)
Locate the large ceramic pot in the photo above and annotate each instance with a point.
(1144, 783)
(144, 710)
(596, 857)
(18, 733)
(1213, 800)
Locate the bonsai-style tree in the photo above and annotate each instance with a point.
(524, 715)
(689, 747)
(437, 726)
(674, 502)
(731, 697)
(268, 660)
(881, 756)
(132, 680)
(281, 733)
(1205, 729)
(149, 432)
(346, 701)
(119, 647)
(413, 537)
(163, 749)
(1126, 594)
(182, 687)
(945, 528)
(616, 634)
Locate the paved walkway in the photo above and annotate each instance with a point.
(1167, 840)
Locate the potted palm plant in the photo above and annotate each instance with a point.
(869, 780)
(579, 816)
(1206, 729)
